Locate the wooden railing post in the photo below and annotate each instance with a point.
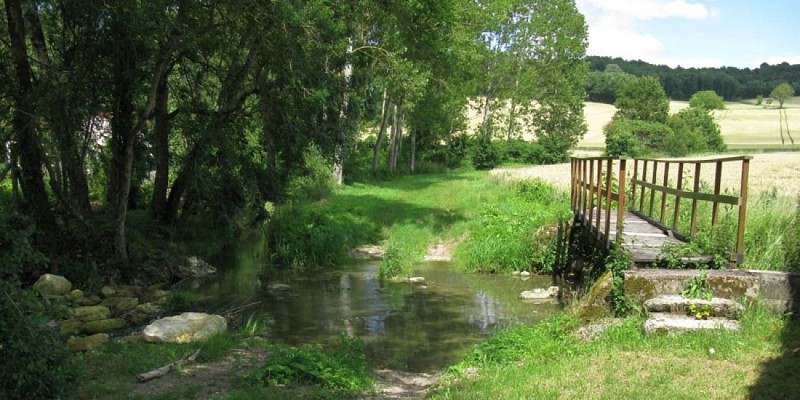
(695, 189)
(607, 208)
(717, 185)
(676, 215)
(742, 210)
(621, 199)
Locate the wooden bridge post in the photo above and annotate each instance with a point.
(621, 199)
(742, 210)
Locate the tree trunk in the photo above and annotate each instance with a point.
(344, 123)
(394, 139)
(487, 113)
(28, 146)
(786, 120)
(381, 132)
(413, 149)
(158, 203)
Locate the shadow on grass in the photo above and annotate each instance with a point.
(780, 377)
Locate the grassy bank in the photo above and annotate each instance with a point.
(550, 361)
(492, 221)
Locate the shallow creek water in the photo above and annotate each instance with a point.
(416, 327)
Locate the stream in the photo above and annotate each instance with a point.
(414, 327)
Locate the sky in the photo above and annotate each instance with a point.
(695, 33)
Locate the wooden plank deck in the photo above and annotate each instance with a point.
(642, 240)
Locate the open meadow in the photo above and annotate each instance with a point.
(743, 125)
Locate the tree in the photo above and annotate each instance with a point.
(782, 93)
(707, 100)
(643, 99)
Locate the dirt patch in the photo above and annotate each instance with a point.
(368, 252)
(208, 380)
(442, 251)
(402, 385)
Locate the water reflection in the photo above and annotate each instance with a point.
(412, 327)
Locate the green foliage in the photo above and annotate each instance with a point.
(17, 255)
(342, 367)
(759, 100)
(618, 262)
(698, 288)
(520, 151)
(635, 138)
(484, 155)
(181, 300)
(314, 181)
(36, 362)
(707, 100)
(306, 236)
(511, 345)
(405, 247)
(603, 87)
(518, 232)
(782, 93)
(643, 99)
(697, 130)
(791, 244)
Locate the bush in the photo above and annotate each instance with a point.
(707, 100)
(36, 363)
(484, 155)
(697, 129)
(635, 138)
(314, 181)
(405, 247)
(520, 151)
(306, 236)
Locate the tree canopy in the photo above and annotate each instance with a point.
(707, 100)
(782, 93)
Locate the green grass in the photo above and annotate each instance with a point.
(548, 361)
(494, 220)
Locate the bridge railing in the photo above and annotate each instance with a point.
(597, 193)
(661, 187)
(657, 188)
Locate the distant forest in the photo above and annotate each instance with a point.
(729, 82)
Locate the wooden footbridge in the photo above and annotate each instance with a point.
(645, 205)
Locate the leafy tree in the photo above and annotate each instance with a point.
(635, 138)
(643, 99)
(707, 100)
(782, 92)
(697, 130)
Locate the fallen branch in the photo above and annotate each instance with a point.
(159, 372)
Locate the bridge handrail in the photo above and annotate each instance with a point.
(589, 188)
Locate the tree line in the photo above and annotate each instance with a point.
(681, 83)
(193, 106)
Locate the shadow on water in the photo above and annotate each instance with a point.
(780, 376)
(412, 327)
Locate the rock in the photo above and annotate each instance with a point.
(108, 291)
(75, 294)
(524, 273)
(156, 295)
(515, 273)
(87, 301)
(594, 305)
(143, 313)
(194, 267)
(90, 313)
(416, 279)
(185, 328)
(277, 287)
(673, 324)
(716, 307)
(128, 291)
(87, 343)
(592, 331)
(367, 252)
(52, 285)
(539, 293)
(103, 325)
(69, 327)
(121, 305)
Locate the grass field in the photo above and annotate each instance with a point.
(743, 125)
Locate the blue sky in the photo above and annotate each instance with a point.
(695, 33)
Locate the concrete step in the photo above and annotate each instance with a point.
(674, 324)
(677, 304)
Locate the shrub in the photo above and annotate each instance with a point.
(306, 236)
(36, 363)
(697, 129)
(484, 155)
(314, 181)
(520, 151)
(635, 138)
(405, 247)
(791, 244)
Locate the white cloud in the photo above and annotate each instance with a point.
(613, 29)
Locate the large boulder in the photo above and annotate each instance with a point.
(674, 324)
(194, 267)
(185, 328)
(52, 285)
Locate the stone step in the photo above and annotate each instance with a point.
(673, 324)
(716, 307)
